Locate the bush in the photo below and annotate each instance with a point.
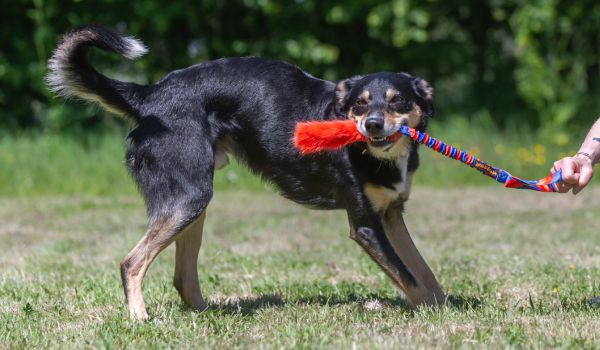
(531, 62)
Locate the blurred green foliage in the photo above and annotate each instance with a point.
(514, 61)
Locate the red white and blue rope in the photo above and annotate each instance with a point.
(547, 184)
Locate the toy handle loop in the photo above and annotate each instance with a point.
(546, 184)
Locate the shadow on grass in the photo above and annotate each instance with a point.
(250, 305)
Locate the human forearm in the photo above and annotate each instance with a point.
(591, 144)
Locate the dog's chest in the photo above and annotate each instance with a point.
(382, 194)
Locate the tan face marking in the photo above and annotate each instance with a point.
(362, 98)
(402, 146)
(355, 117)
(389, 94)
(412, 118)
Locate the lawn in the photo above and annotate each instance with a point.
(521, 268)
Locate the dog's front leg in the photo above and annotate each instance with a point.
(374, 243)
(367, 230)
(426, 290)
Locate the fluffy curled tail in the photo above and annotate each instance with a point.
(71, 75)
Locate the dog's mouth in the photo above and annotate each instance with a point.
(380, 142)
(384, 142)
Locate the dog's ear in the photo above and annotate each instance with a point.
(342, 92)
(424, 93)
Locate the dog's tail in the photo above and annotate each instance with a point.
(71, 75)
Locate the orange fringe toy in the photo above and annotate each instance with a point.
(315, 136)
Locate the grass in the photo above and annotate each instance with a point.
(49, 164)
(520, 267)
(32, 165)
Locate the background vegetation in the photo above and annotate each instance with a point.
(520, 62)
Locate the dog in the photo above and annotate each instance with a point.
(187, 124)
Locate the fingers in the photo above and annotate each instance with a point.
(563, 187)
(568, 174)
(586, 173)
(570, 170)
(576, 173)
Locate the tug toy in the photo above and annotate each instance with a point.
(316, 136)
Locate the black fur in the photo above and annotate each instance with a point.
(250, 104)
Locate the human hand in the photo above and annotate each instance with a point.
(577, 171)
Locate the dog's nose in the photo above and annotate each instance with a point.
(374, 125)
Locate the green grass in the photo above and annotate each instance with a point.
(520, 268)
(48, 164)
(94, 164)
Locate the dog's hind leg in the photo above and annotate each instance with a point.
(187, 247)
(177, 185)
(162, 230)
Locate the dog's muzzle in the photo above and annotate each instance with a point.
(377, 131)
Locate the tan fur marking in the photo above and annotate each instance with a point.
(185, 280)
(389, 94)
(399, 149)
(380, 259)
(427, 291)
(159, 235)
(379, 196)
(365, 97)
(412, 118)
(401, 146)
(355, 117)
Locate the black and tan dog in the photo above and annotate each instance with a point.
(187, 123)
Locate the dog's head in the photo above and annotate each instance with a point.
(382, 102)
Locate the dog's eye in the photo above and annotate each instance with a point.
(360, 107)
(397, 99)
(399, 104)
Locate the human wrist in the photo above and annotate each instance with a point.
(587, 156)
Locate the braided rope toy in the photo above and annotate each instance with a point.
(316, 136)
